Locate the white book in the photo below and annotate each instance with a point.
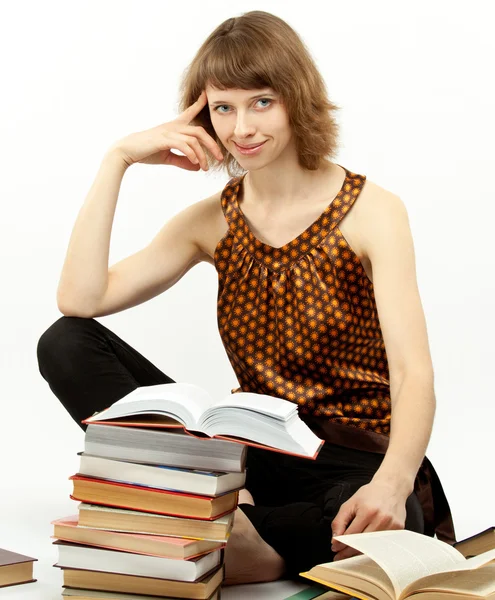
(193, 481)
(247, 417)
(74, 556)
(163, 447)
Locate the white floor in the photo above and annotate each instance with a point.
(25, 528)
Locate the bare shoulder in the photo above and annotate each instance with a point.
(375, 205)
(375, 198)
(208, 224)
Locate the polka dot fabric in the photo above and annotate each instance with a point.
(300, 322)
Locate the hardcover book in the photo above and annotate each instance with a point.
(68, 530)
(249, 418)
(15, 568)
(401, 564)
(125, 495)
(133, 521)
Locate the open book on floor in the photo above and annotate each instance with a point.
(252, 419)
(400, 564)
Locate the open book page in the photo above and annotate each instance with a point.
(353, 574)
(263, 419)
(404, 555)
(185, 402)
(480, 581)
(276, 408)
(479, 568)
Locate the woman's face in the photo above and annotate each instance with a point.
(250, 117)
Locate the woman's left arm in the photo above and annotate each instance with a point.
(380, 505)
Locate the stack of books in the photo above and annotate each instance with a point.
(158, 485)
(154, 526)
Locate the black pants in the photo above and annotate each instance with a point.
(88, 368)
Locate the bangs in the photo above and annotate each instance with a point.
(232, 64)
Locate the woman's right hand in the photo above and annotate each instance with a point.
(154, 146)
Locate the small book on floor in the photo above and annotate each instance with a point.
(400, 564)
(68, 530)
(477, 543)
(133, 521)
(253, 419)
(78, 594)
(75, 556)
(15, 568)
(134, 497)
(202, 589)
(170, 447)
(190, 481)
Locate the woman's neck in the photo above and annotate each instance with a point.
(293, 187)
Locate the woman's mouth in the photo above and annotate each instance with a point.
(249, 151)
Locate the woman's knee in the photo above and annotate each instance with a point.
(62, 341)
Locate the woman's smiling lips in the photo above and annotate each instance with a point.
(249, 150)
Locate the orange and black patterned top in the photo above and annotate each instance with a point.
(300, 321)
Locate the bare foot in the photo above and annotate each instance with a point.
(248, 558)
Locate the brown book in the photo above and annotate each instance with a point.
(401, 564)
(132, 584)
(126, 495)
(132, 521)
(68, 529)
(77, 594)
(478, 543)
(15, 568)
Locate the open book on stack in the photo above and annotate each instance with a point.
(396, 565)
(252, 419)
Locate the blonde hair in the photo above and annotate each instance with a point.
(257, 50)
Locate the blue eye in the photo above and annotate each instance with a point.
(264, 100)
(259, 100)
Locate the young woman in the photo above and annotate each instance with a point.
(318, 301)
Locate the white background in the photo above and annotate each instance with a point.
(415, 82)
